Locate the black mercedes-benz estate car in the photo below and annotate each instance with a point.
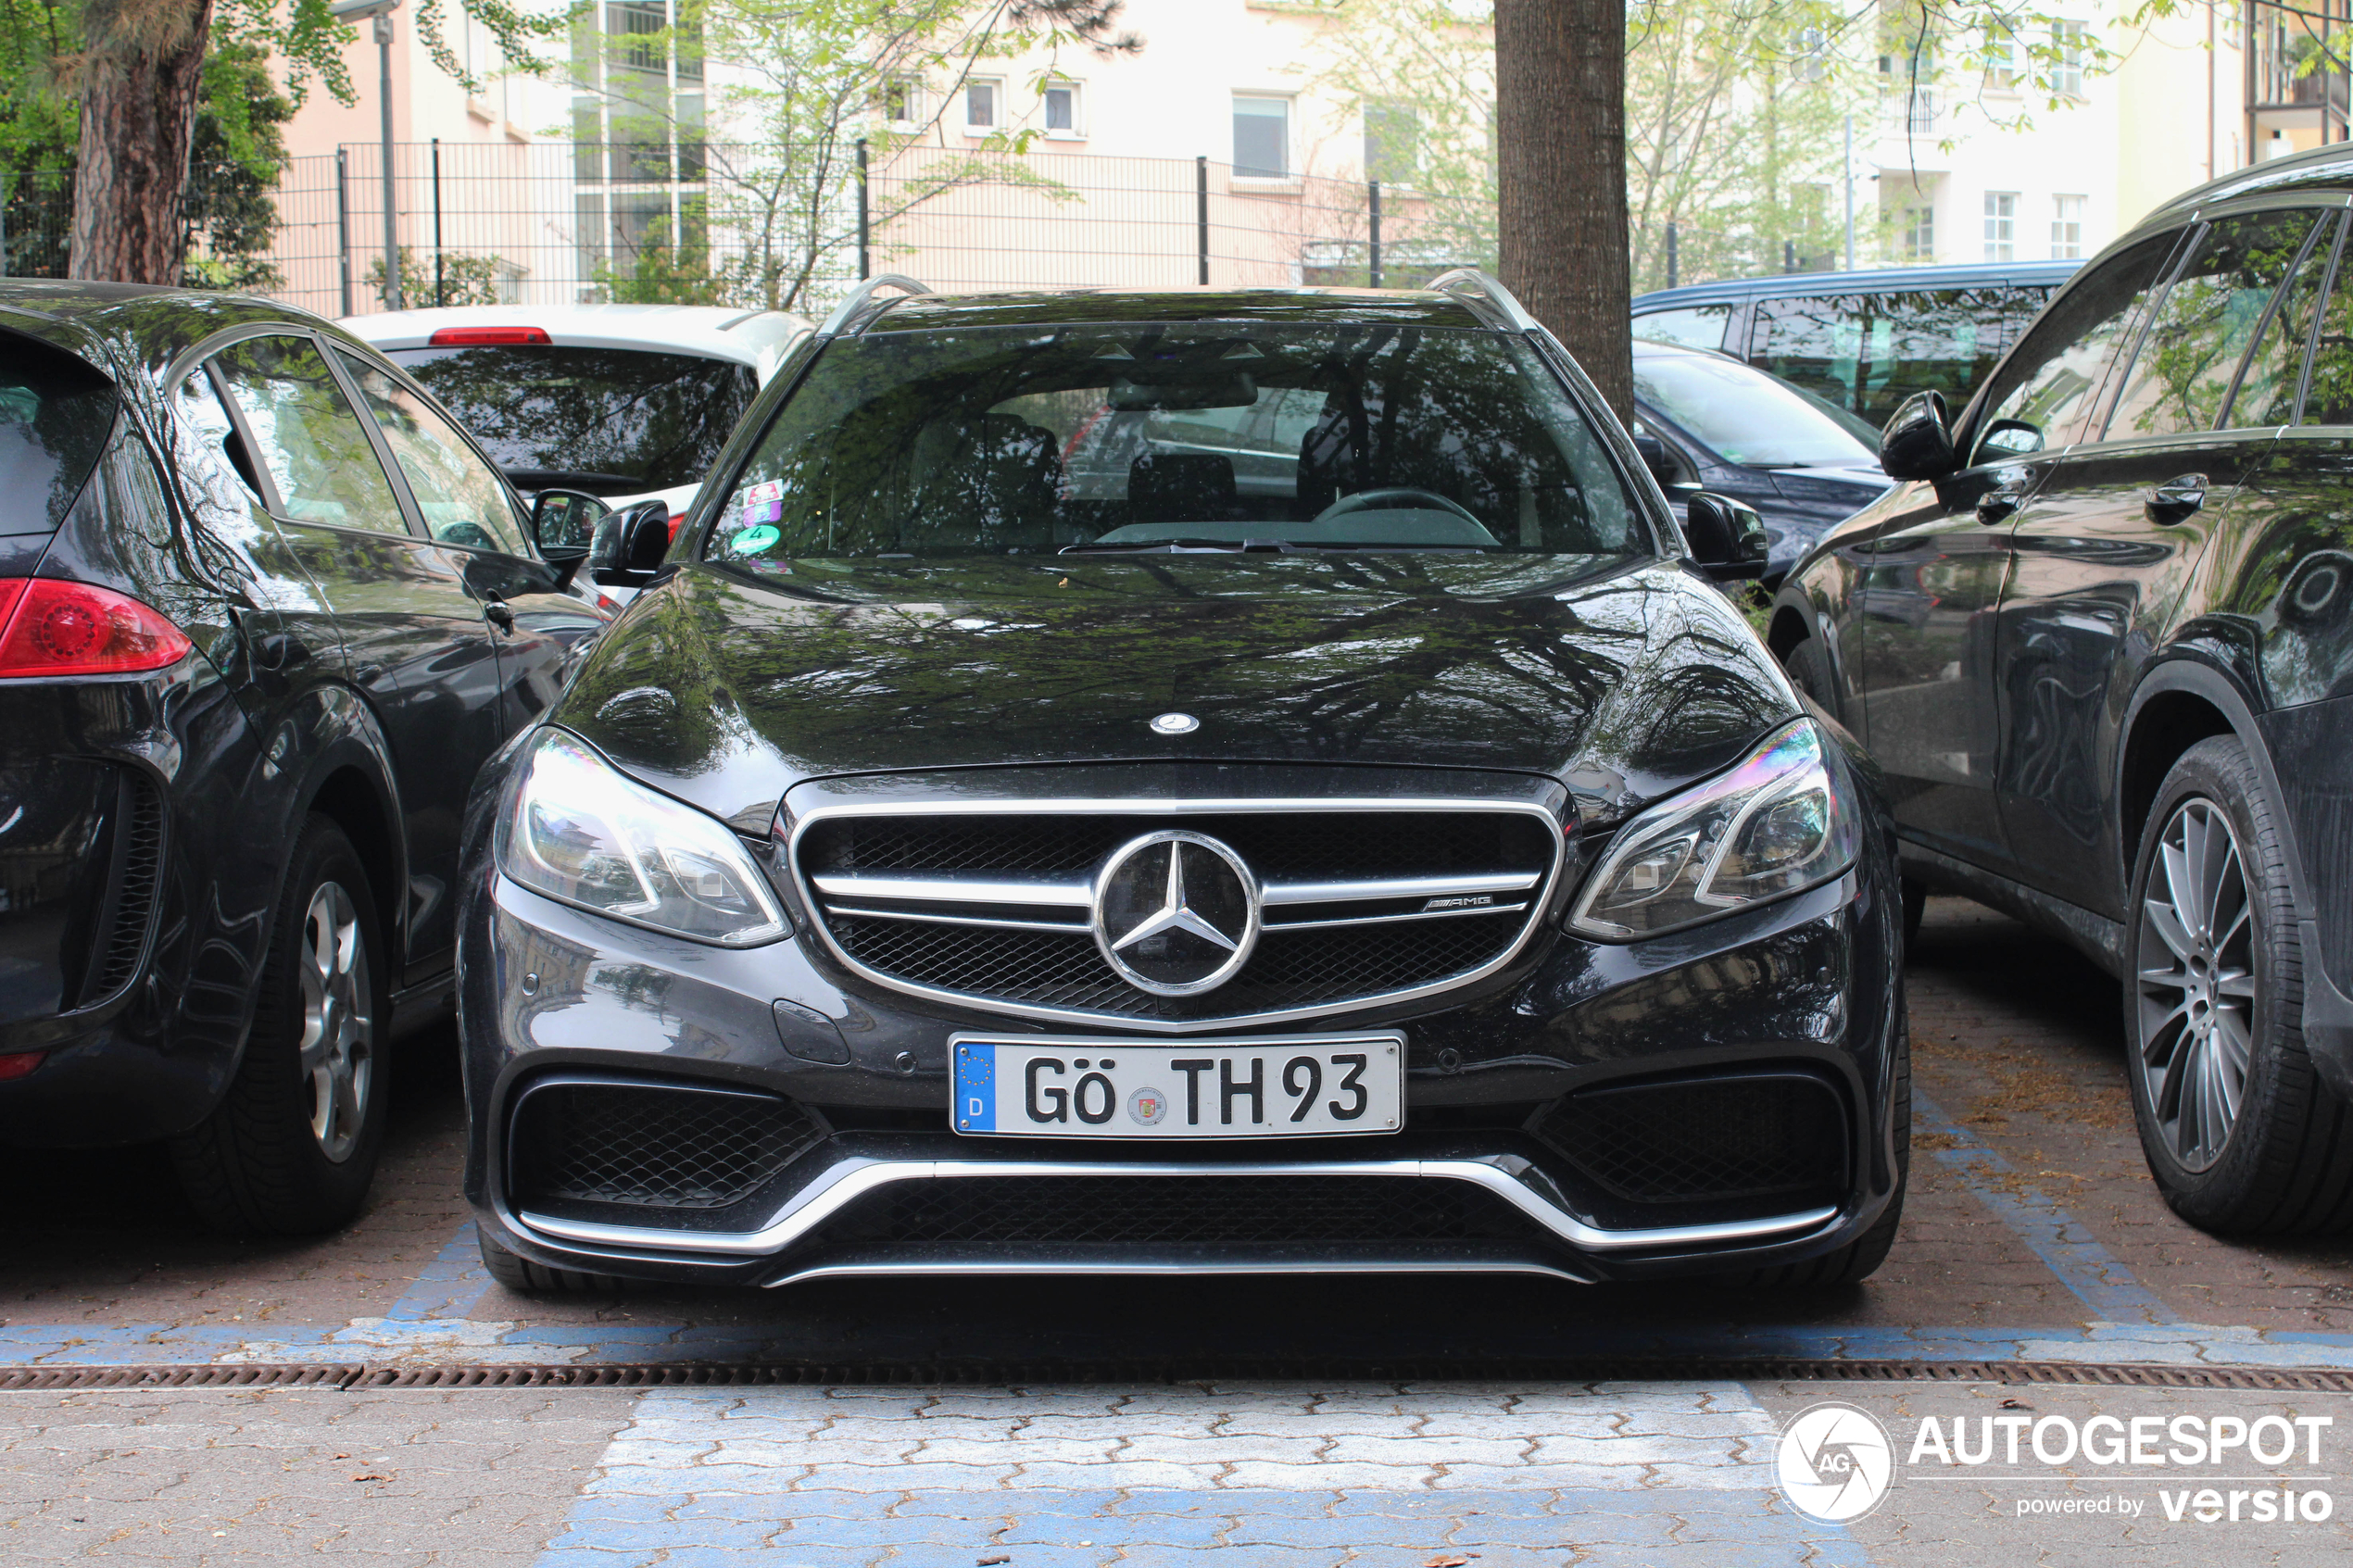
(2101, 643)
(962, 858)
(264, 611)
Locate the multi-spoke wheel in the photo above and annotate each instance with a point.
(2241, 1134)
(338, 1020)
(292, 1146)
(2198, 998)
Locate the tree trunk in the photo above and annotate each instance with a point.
(1560, 124)
(139, 85)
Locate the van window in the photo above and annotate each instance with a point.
(1869, 352)
(2201, 330)
(1695, 326)
(56, 413)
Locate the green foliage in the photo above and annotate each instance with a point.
(447, 279)
(661, 272)
(233, 163)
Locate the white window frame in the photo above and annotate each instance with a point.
(1289, 176)
(911, 94)
(996, 85)
(1077, 130)
(2066, 227)
(1919, 225)
(2067, 72)
(2001, 226)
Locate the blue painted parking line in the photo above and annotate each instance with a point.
(1301, 1474)
(449, 1286)
(2065, 1244)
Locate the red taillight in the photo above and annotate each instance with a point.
(49, 627)
(464, 337)
(675, 520)
(19, 1064)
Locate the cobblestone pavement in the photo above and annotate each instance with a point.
(2032, 1233)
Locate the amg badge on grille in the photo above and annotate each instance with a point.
(1176, 912)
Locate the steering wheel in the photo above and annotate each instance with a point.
(1395, 495)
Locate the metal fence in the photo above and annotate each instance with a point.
(553, 222)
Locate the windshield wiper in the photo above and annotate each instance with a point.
(1162, 547)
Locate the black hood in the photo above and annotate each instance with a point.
(1623, 679)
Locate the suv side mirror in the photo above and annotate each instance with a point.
(1918, 442)
(1727, 537)
(629, 545)
(563, 523)
(1655, 458)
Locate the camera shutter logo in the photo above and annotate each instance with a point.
(1836, 1462)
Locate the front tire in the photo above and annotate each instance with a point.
(291, 1147)
(2240, 1132)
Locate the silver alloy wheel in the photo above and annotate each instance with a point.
(338, 1020)
(2197, 1002)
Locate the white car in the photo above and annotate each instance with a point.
(628, 402)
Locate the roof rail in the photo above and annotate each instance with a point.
(863, 295)
(1476, 288)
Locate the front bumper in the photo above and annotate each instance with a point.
(1803, 989)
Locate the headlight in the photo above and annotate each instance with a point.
(1779, 822)
(575, 829)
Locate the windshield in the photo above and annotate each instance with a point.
(1109, 439)
(611, 420)
(1745, 416)
(56, 413)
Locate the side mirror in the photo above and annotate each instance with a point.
(1918, 442)
(1726, 536)
(1655, 458)
(563, 523)
(629, 545)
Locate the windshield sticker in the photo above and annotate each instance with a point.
(751, 541)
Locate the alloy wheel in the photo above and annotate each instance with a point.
(338, 1022)
(2196, 983)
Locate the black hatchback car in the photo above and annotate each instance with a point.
(264, 611)
(1415, 864)
(2101, 643)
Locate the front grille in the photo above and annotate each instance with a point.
(1181, 1212)
(652, 1145)
(1782, 1135)
(994, 950)
(138, 867)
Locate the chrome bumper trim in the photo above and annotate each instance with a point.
(851, 1179)
(1374, 1266)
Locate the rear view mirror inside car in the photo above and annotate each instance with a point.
(1231, 389)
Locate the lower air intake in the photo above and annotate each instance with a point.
(652, 1146)
(1719, 1139)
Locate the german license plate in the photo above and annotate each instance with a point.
(1302, 1086)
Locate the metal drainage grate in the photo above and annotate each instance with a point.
(347, 1376)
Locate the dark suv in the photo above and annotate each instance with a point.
(952, 864)
(264, 610)
(2101, 642)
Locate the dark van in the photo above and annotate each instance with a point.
(1865, 341)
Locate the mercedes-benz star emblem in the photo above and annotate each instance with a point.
(1176, 912)
(1176, 724)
